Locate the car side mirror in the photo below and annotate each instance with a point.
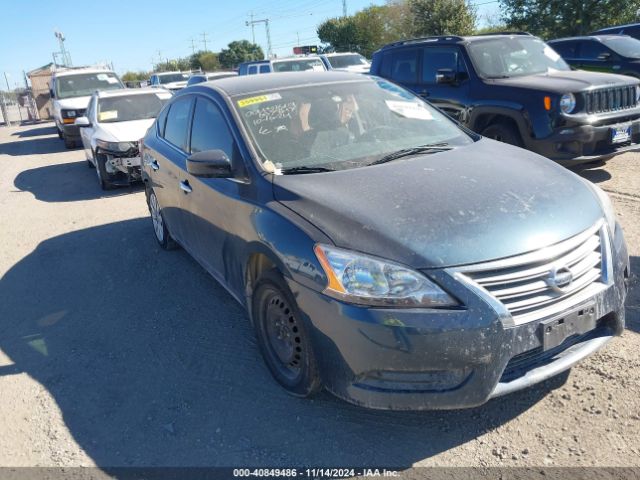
(209, 164)
(446, 76)
(604, 56)
(82, 122)
(52, 93)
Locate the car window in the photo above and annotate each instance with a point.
(162, 120)
(177, 124)
(590, 50)
(404, 66)
(209, 130)
(440, 58)
(565, 49)
(632, 31)
(264, 68)
(253, 70)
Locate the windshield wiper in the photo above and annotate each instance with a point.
(297, 170)
(407, 152)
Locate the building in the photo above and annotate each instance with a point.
(40, 79)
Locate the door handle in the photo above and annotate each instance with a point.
(185, 187)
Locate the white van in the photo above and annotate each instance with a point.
(71, 90)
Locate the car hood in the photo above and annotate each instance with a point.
(75, 102)
(472, 204)
(125, 131)
(566, 81)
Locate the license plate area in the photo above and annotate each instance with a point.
(556, 330)
(620, 133)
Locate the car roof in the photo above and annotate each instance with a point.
(167, 73)
(120, 92)
(588, 37)
(615, 27)
(453, 39)
(337, 54)
(246, 84)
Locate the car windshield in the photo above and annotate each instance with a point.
(299, 65)
(84, 84)
(125, 108)
(344, 61)
(623, 45)
(514, 57)
(173, 77)
(342, 125)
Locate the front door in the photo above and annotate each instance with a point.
(444, 80)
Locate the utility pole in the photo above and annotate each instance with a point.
(204, 40)
(193, 46)
(298, 37)
(266, 25)
(344, 8)
(3, 106)
(253, 31)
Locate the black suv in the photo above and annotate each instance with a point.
(601, 53)
(514, 88)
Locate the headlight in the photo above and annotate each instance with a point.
(607, 208)
(115, 146)
(637, 93)
(567, 103)
(359, 278)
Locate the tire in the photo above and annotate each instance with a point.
(89, 162)
(68, 143)
(60, 134)
(101, 173)
(164, 238)
(283, 337)
(503, 132)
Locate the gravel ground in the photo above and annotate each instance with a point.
(114, 353)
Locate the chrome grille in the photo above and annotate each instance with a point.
(524, 284)
(610, 99)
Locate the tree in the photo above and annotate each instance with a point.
(559, 18)
(204, 60)
(441, 17)
(239, 51)
(340, 33)
(135, 76)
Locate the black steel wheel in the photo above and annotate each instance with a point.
(283, 337)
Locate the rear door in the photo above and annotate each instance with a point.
(401, 66)
(166, 161)
(453, 97)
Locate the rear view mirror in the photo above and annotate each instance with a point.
(446, 76)
(209, 164)
(82, 122)
(51, 93)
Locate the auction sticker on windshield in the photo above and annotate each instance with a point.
(245, 102)
(108, 115)
(409, 109)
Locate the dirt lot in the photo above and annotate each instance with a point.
(114, 353)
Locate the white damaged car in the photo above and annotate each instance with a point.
(114, 123)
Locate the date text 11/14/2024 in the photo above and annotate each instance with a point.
(314, 472)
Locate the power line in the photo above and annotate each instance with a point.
(204, 40)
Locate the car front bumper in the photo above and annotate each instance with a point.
(415, 359)
(583, 143)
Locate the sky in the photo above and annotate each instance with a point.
(133, 34)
